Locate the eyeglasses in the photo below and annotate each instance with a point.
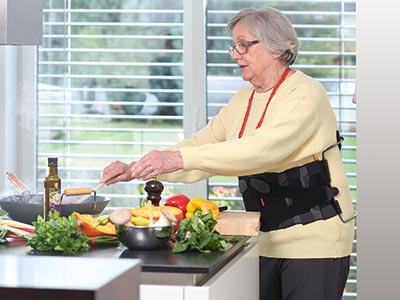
(242, 47)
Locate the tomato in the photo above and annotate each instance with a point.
(180, 201)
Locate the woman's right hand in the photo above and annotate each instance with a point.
(115, 172)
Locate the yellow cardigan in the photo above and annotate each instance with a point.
(298, 126)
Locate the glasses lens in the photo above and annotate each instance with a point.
(241, 47)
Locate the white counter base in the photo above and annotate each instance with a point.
(238, 280)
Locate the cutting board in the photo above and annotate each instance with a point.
(238, 223)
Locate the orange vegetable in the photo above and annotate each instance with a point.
(93, 226)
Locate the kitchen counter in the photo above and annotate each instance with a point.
(178, 276)
(65, 278)
(190, 267)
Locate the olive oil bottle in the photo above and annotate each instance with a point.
(52, 188)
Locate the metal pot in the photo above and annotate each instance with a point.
(26, 208)
(144, 237)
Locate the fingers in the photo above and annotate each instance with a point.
(151, 173)
(156, 163)
(149, 166)
(143, 169)
(115, 172)
(116, 179)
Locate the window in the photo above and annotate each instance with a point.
(110, 87)
(111, 83)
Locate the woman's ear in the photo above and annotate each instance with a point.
(277, 55)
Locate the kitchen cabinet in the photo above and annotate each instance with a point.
(237, 280)
(21, 22)
(232, 274)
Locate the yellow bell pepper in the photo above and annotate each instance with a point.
(206, 206)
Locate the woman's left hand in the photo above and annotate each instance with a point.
(115, 172)
(156, 163)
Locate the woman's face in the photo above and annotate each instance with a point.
(256, 64)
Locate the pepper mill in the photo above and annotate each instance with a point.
(154, 189)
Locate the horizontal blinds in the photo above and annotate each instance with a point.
(110, 88)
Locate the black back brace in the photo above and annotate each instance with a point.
(299, 195)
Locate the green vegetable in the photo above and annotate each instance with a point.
(103, 220)
(59, 234)
(105, 239)
(3, 234)
(198, 233)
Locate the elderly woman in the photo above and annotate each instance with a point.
(279, 137)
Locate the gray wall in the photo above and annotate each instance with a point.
(378, 149)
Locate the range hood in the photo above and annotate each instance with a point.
(21, 22)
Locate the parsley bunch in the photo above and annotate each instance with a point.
(198, 233)
(59, 234)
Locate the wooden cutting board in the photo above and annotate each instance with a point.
(238, 223)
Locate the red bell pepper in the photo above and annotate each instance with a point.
(180, 201)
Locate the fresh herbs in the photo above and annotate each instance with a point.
(198, 233)
(59, 234)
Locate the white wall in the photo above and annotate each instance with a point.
(378, 149)
(17, 111)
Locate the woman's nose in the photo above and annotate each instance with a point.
(235, 56)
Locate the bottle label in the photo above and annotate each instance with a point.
(54, 200)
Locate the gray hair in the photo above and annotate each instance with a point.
(272, 28)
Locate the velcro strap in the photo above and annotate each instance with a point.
(298, 195)
(282, 204)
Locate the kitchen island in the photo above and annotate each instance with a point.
(232, 274)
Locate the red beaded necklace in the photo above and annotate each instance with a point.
(250, 103)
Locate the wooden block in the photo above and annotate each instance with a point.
(238, 223)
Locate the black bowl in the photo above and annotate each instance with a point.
(26, 208)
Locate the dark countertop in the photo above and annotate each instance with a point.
(158, 261)
(163, 260)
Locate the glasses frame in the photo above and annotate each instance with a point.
(245, 44)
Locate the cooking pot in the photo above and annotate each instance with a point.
(26, 208)
(144, 237)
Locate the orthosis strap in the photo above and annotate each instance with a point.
(299, 195)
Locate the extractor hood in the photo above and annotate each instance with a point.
(21, 22)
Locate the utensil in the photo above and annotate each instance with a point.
(222, 208)
(17, 183)
(87, 192)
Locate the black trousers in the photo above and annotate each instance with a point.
(303, 279)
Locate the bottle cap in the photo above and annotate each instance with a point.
(52, 161)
